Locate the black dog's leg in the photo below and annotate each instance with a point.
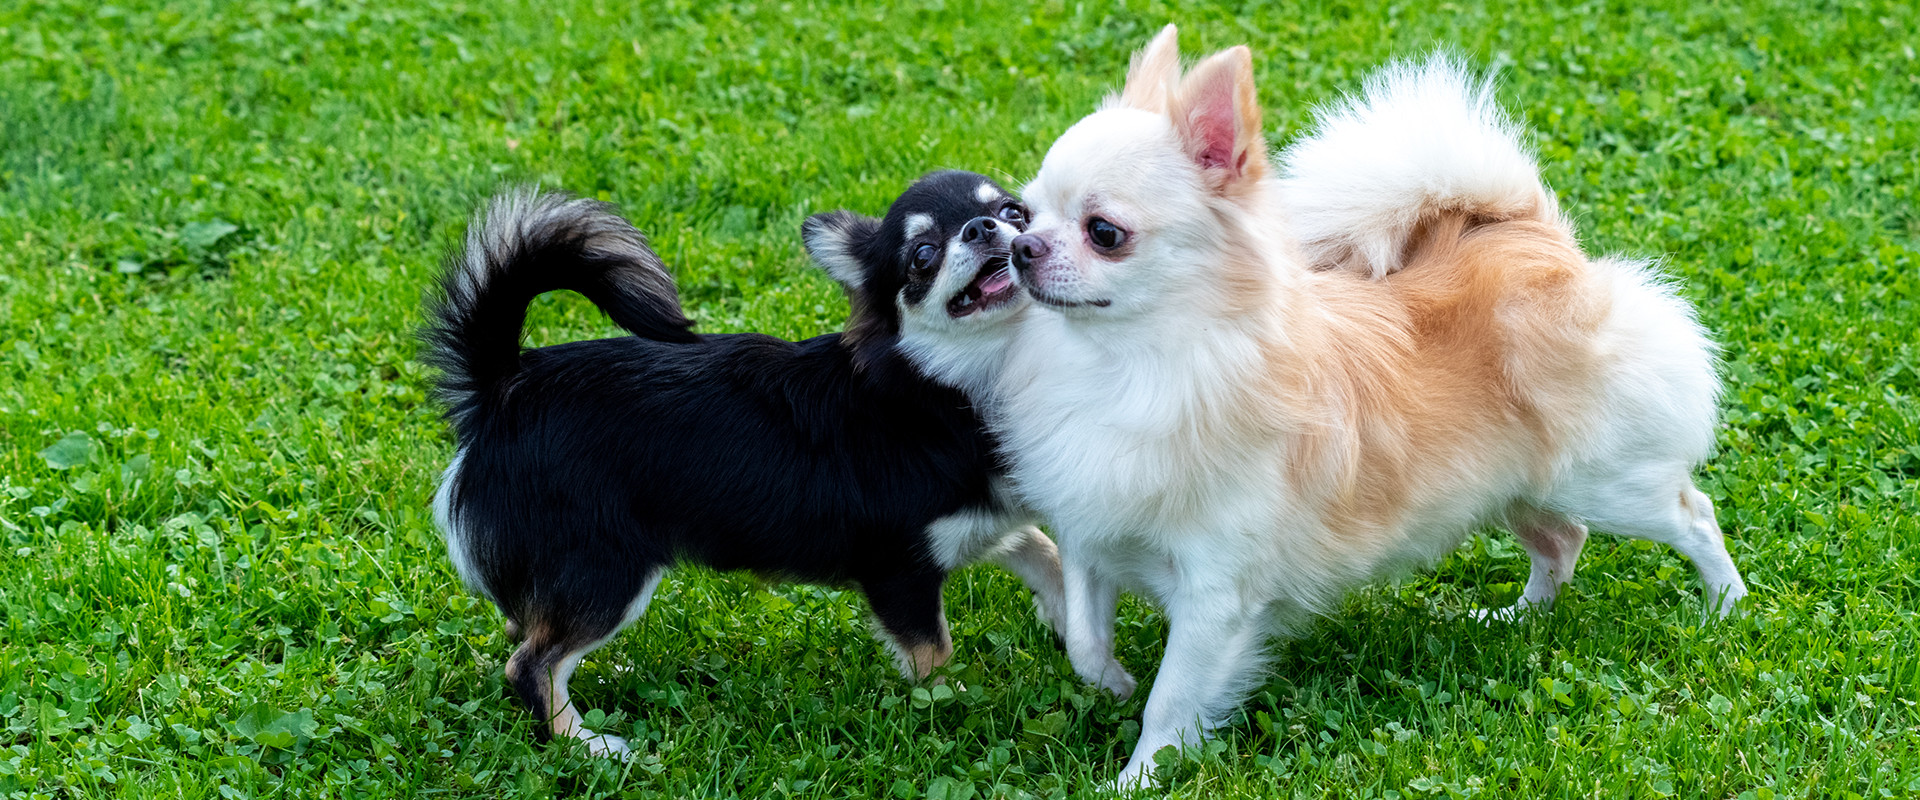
(912, 622)
(557, 638)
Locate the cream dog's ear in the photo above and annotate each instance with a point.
(836, 241)
(1153, 73)
(1217, 117)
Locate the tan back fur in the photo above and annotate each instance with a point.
(1474, 360)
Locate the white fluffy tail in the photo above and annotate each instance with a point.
(1425, 138)
(1667, 380)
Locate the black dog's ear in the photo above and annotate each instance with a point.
(835, 240)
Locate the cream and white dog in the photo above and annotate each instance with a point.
(1249, 392)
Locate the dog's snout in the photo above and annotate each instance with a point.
(979, 228)
(1028, 248)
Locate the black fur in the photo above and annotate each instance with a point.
(586, 468)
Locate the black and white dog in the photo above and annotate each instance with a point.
(586, 469)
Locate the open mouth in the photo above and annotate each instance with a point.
(992, 286)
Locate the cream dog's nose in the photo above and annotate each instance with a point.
(1028, 248)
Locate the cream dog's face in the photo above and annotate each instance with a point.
(1126, 207)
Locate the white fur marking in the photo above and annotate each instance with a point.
(830, 244)
(451, 532)
(918, 224)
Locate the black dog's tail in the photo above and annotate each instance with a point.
(523, 244)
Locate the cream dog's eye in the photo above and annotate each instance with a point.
(1104, 234)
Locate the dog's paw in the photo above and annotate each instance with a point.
(1726, 603)
(1513, 613)
(1050, 614)
(1117, 681)
(1134, 780)
(605, 745)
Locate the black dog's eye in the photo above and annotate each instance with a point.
(1012, 212)
(1104, 234)
(923, 256)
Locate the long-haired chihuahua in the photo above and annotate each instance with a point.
(585, 470)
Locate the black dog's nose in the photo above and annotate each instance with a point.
(1027, 248)
(977, 228)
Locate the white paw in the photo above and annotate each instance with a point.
(1135, 778)
(1728, 604)
(1050, 614)
(605, 745)
(1512, 613)
(1116, 680)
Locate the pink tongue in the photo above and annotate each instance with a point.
(995, 282)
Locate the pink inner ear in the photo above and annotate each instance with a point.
(1212, 128)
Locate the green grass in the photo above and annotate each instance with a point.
(219, 577)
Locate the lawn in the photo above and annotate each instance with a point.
(219, 576)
